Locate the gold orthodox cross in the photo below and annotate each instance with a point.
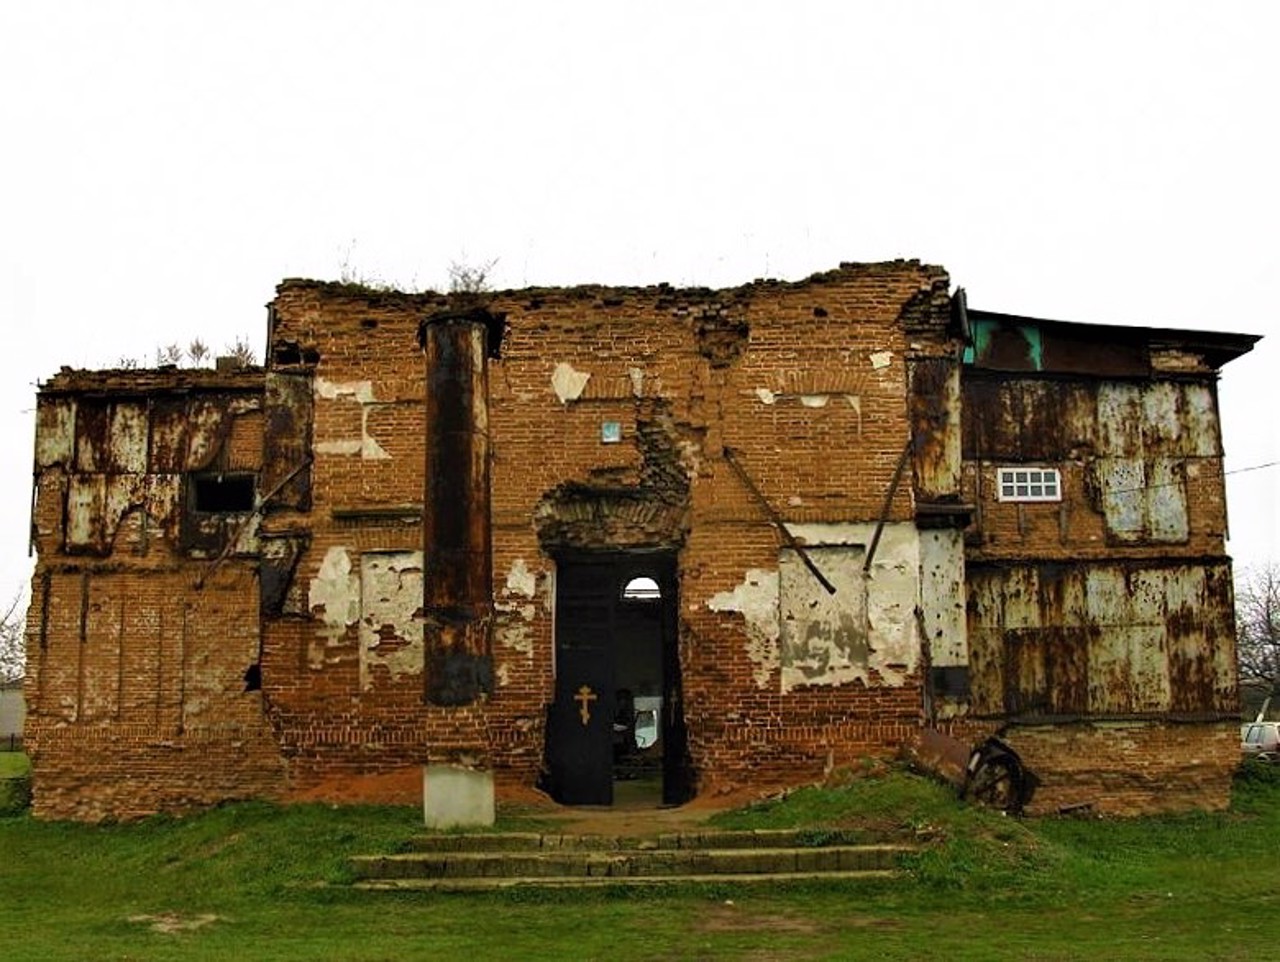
(585, 697)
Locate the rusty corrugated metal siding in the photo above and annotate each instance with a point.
(1114, 639)
(121, 456)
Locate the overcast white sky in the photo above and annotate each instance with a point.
(164, 165)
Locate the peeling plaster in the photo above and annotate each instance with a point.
(515, 616)
(391, 634)
(520, 580)
(334, 598)
(943, 598)
(568, 383)
(885, 601)
(881, 359)
(766, 396)
(366, 446)
(814, 400)
(637, 380)
(855, 402)
(756, 599)
(824, 639)
(359, 391)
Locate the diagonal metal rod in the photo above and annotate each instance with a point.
(731, 456)
(888, 503)
(262, 503)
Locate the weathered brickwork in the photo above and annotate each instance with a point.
(136, 686)
(795, 451)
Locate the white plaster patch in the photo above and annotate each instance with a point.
(334, 597)
(823, 637)
(637, 380)
(370, 449)
(814, 400)
(361, 391)
(892, 587)
(515, 617)
(512, 630)
(568, 383)
(855, 402)
(391, 623)
(756, 599)
(348, 446)
(520, 580)
(766, 396)
(881, 359)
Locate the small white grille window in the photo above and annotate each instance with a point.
(1029, 484)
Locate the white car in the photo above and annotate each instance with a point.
(1261, 739)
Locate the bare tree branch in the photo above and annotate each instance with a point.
(1258, 626)
(12, 640)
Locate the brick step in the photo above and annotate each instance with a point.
(629, 863)
(533, 841)
(623, 881)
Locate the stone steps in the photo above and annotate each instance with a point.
(503, 860)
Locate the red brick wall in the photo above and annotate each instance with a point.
(654, 355)
(137, 683)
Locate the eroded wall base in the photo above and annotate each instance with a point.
(1129, 768)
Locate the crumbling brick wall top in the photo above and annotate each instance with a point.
(140, 381)
(847, 272)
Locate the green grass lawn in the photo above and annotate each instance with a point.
(255, 881)
(14, 764)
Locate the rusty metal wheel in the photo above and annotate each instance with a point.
(995, 783)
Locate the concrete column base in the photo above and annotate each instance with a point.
(456, 797)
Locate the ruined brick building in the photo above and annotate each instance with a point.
(791, 524)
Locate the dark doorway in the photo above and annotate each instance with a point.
(618, 714)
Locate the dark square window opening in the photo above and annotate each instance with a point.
(222, 493)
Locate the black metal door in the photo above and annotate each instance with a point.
(580, 726)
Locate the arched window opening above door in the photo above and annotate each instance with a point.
(642, 588)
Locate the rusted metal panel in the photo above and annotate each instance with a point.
(55, 431)
(1006, 346)
(1047, 670)
(935, 427)
(128, 438)
(168, 435)
(1120, 419)
(207, 428)
(1010, 343)
(279, 592)
(290, 416)
(1198, 407)
(1100, 639)
(93, 419)
(1123, 485)
(95, 505)
(1054, 420)
(111, 436)
(1166, 501)
(1028, 420)
(456, 517)
(1143, 500)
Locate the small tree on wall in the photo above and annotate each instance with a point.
(1258, 627)
(12, 648)
(469, 284)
